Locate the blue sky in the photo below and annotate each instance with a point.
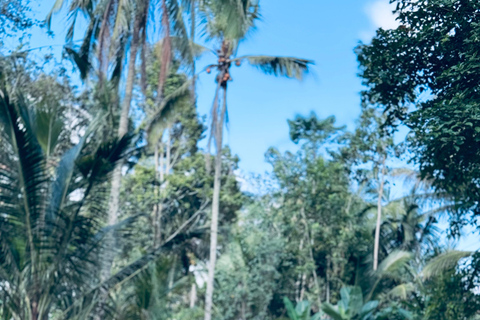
(325, 31)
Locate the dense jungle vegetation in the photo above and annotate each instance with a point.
(118, 200)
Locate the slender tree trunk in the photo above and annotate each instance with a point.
(34, 310)
(122, 130)
(169, 152)
(192, 37)
(379, 218)
(162, 163)
(327, 282)
(156, 193)
(215, 209)
(114, 200)
(244, 309)
(310, 241)
(193, 295)
(166, 166)
(171, 276)
(298, 283)
(166, 52)
(304, 282)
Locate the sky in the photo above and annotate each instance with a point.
(325, 31)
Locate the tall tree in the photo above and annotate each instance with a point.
(372, 144)
(229, 22)
(423, 74)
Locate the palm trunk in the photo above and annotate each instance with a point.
(304, 282)
(166, 52)
(103, 38)
(215, 209)
(117, 172)
(379, 218)
(122, 130)
(192, 37)
(156, 192)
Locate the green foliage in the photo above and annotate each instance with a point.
(50, 238)
(301, 311)
(248, 270)
(305, 237)
(423, 74)
(450, 297)
(350, 306)
(15, 16)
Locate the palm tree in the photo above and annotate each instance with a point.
(115, 19)
(51, 240)
(229, 22)
(50, 236)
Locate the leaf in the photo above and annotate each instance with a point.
(332, 311)
(401, 291)
(368, 309)
(57, 6)
(167, 106)
(292, 314)
(352, 299)
(289, 67)
(443, 263)
(82, 62)
(63, 176)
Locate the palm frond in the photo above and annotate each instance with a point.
(57, 6)
(289, 67)
(81, 61)
(393, 262)
(401, 291)
(167, 106)
(443, 263)
(31, 163)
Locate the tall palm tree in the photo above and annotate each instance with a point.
(125, 19)
(229, 22)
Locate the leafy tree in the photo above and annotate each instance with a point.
(322, 220)
(371, 145)
(248, 269)
(422, 73)
(15, 16)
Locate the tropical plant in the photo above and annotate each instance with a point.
(350, 306)
(302, 311)
(229, 22)
(51, 231)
